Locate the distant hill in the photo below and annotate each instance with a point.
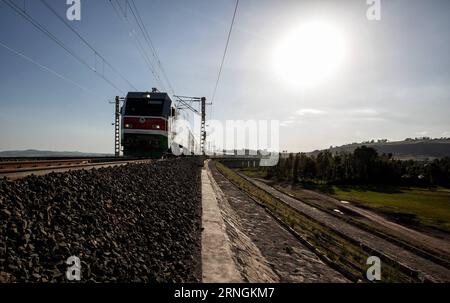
(418, 149)
(32, 153)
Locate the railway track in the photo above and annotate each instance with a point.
(402, 260)
(20, 168)
(263, 248)
(411, 240)
(371, 242)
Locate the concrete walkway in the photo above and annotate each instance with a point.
(217, 262)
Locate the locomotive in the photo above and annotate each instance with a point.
(151, 126)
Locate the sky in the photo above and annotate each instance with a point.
(392, 82)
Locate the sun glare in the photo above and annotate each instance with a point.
(309, 54)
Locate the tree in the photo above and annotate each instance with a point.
(364, 165)
(324, 165)
(288, 167)
(364, 159)
(296, 168)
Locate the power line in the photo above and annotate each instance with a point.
(141, 49)
(88, 44)
(45, 68)
(156, 65)
(146, 35)
(224, 54)
(40, 27)
(137, 42)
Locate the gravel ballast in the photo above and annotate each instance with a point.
(134, 223)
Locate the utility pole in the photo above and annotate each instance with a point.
(117, 129)
(185, 102)
(203, 128)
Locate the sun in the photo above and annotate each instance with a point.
(310, 54)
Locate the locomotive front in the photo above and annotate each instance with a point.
(145, 124)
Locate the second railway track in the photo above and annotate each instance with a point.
(13, 170)
(326, 229)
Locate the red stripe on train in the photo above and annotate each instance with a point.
(144, 123)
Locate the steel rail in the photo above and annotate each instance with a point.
(61, 166)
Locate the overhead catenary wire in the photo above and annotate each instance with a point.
(123, 17)
(156, 67)
(222, 63)
(145, 33)
(223, 57)
(45, 67)
(40, 27)
(97, 53)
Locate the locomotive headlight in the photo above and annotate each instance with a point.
(128, 125)
(156, 126)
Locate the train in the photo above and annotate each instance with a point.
(153, 127)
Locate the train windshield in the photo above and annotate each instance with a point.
(144, 107)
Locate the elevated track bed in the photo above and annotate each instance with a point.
(140, 222)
